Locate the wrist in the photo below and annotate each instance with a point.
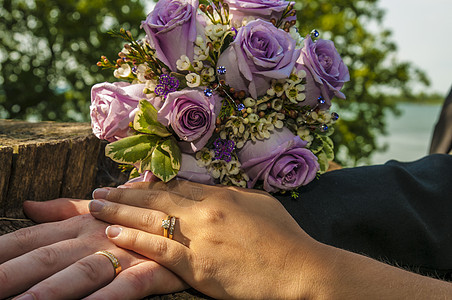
(313, 272)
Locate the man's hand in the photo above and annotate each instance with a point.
(56, 260)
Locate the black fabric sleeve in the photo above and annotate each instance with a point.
(398, 212)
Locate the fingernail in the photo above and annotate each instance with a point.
(25, 297)
(96, 205)
(123, 186)
(113, 231)
(101, 193)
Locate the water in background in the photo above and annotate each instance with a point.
(410, 134)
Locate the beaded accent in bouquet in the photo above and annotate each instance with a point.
(221, 92)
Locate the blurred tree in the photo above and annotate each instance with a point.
(48, 52)
(374, 71)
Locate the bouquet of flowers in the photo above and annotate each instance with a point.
(225, 91)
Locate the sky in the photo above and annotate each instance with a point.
(422, 30)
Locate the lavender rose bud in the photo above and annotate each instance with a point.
(259, 53)
(192, 116)
(326, 66)
(281, 162)
(171, 30)
(260, 9)
(113, 107)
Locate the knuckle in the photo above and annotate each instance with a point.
(46, 290)
(47, 256)
(150, 197)
(89, 268)
(226, 195)
(204, 269)
(213, 215)
(147, 220)
(4, 277)
(160, 247)
(24, 238)
(115, 195)
(140, 281)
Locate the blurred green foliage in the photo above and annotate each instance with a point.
(49, 48)
(374, 71)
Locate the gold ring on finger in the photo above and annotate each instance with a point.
(113, 259)
(166, 223)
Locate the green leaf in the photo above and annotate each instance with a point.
(161, 166)
(317, 144)
(146, 120)
(323, 162)
(170, 146)
(227, 39)
(181, 78)
(328, 148)
(131, 149)
(134, 174)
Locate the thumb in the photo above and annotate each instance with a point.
(55, 210)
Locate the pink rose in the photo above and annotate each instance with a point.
(113, 107)
(191, 115)
(281, 161)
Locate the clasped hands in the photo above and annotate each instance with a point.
(228, 243)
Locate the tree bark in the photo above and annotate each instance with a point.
(47, 160)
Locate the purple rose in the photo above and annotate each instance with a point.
(171, 30)
(312, 91)
(259, 53)
(113, 107)
(281, 162)
(326, 66)
(192, 116)
(260, 9)
(189, 170)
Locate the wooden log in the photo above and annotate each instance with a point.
(47, 160)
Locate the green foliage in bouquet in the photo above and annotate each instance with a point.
(152, 148)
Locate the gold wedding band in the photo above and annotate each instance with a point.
(168, 225)
(171, 229)
(113, 259)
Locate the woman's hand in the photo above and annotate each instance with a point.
(239, 243)
(228, 242)
(57, 261)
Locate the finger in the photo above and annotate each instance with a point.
(82, 277)
(27, 239)
(20, 273)
(154, 199)
(135, 185)
(139, 281)
(55, 210)
(170, 254)
(129, 216)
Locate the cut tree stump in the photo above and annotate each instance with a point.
(48, 160)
